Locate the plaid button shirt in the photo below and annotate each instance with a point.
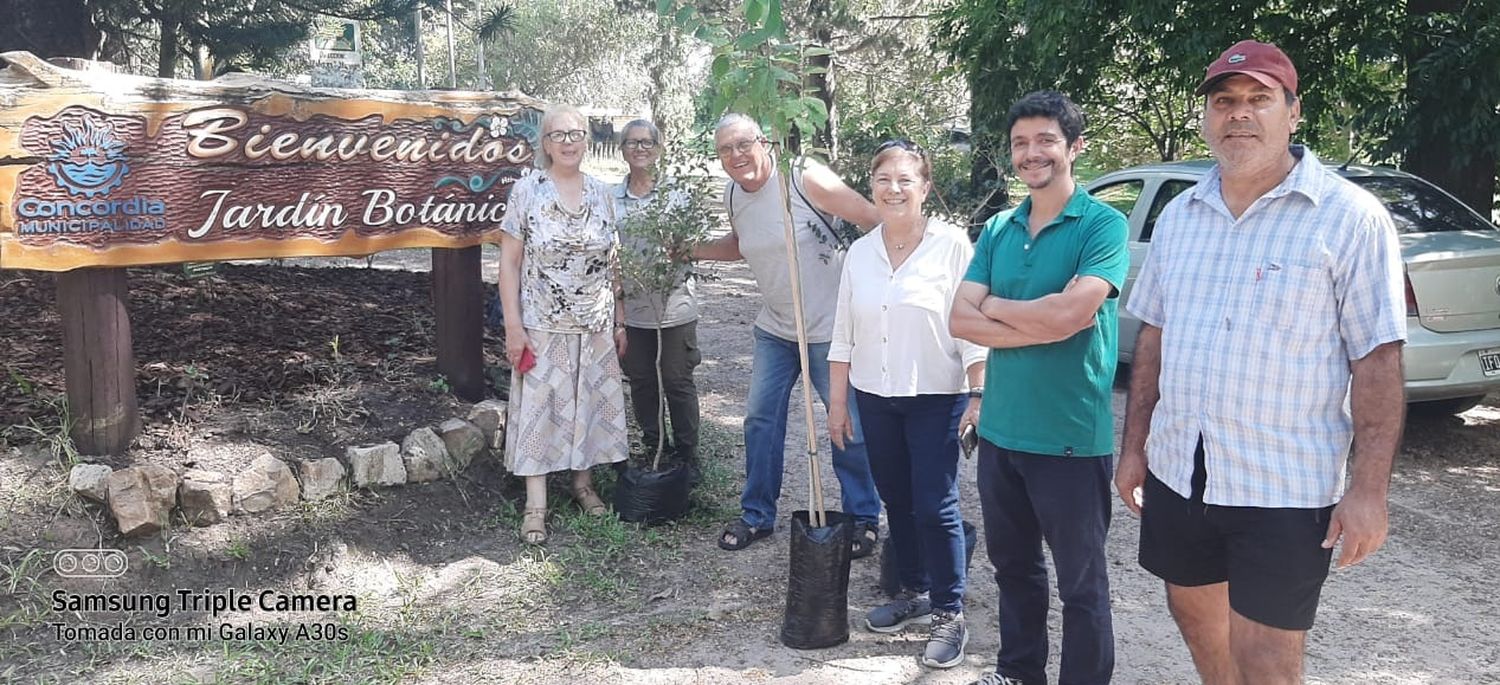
(1260, 319)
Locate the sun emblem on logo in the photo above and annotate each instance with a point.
(89, 160)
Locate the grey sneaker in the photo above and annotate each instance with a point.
(997, 679)
(907, 608)
(945, 646)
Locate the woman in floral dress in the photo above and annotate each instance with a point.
(559, 286)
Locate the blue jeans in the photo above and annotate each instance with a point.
(1065, 501)
(913, 444)
(775, 369)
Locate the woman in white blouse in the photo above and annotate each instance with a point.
(917, 388)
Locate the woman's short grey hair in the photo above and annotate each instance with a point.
(550, 115)
(645, 124)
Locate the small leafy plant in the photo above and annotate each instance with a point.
(656, 238)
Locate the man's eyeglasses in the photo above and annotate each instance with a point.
(642, 144)
(903, 144)
(574, 136)
(742, 147)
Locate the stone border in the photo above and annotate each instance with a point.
(141, 498)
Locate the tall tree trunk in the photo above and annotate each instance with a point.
(823, 84)
(659, 64)
(166, 60)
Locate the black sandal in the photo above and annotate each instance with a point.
(865, 540)
(743, 535)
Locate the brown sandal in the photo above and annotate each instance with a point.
(589, 501)
(534, 526)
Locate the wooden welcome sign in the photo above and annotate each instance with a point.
(105, 169)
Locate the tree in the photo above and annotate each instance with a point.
(62, 28)
(241, 33)
(761, 72)
(1416, 84)
(576, 51)
(1450, 133)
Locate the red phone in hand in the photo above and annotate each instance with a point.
(527, 361)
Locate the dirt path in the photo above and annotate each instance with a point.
(1421, 611)
(447, 595)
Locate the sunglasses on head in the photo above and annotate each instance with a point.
(902, 144)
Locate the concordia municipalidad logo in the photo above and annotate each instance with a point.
(89, 160)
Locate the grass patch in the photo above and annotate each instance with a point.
(716, 499)
(24, 602)
(602, 548)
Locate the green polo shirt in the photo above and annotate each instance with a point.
(1053, 399)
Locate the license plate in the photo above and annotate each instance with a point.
(1489, 362)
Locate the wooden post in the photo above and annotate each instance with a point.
(458, 302)
(97, 359)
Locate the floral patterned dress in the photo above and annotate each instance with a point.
(568, 411)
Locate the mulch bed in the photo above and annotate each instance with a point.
(310, 356)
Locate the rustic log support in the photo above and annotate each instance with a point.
(458, 302)
(98, 363)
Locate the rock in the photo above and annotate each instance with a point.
(379, 465)
(489, 416)
(206, 497)
(253, 492)
(90, 481)
(266, 484)
(425, 456)
(321, 477)
(464, 441)
(141, 498)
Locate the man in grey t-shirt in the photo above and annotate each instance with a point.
(753, 201)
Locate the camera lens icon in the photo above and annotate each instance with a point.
(90, 563)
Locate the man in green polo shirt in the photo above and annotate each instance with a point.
(1041, 294)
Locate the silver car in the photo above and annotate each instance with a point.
(1452, 258)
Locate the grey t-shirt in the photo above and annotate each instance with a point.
(642, 308)
(756, 219)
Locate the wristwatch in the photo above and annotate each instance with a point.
(976, 393)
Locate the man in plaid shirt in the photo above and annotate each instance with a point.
(1273, 316)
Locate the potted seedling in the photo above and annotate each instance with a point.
(655, 236)
(757, 70)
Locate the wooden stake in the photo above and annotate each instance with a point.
(458, 303)
(98, 363)
(814, 470)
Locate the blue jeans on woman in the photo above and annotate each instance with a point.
(775, 369)
(913, 443)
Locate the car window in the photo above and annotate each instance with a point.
(1418, 207)
(1169, 189)
(1121, 196)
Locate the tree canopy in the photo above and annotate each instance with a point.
(1413, 83)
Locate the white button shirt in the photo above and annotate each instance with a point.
(1260, 318)
(891, 325)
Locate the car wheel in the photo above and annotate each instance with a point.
(1442, 408)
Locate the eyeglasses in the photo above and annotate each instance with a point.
(903, 144)
(574, 136)
(742, 147)
(642, 144)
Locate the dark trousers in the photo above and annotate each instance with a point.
(1064, 501)
(679, 356)
(913, 446)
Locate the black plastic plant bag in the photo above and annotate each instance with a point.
(652, 497)
(817, 588)
(890, 576)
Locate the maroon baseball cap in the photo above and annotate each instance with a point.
(1262, 61)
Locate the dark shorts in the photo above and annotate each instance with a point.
(1273, 559)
